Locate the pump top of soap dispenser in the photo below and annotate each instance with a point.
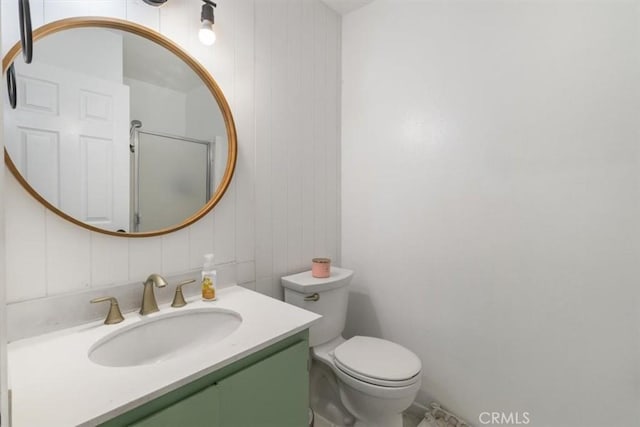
(208, 261)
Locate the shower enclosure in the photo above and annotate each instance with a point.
(171, 177)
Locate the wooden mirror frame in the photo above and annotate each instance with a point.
(210, 83)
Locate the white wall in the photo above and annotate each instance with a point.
(76, 50)
(278, 65)
(205, 122)
(203, 116)
(159, 109)
(490, 200)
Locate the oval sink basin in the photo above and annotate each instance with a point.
(159, 338)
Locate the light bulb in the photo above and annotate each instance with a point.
(206, 34)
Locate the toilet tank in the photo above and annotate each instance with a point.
(332, 302)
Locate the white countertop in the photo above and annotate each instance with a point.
(54, 384)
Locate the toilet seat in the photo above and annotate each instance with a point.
(377, 361)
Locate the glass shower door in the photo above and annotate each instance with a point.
(173, 179)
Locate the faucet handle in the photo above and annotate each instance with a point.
(178, 298)
(114, 316)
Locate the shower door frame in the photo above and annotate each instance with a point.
(134, 147)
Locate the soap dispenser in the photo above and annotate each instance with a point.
(209, 278)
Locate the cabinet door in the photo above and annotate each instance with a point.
(271, 393)
(198, 410)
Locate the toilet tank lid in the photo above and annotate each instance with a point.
(304, 282)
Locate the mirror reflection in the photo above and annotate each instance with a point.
(115, 131)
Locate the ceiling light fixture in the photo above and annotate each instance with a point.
(155, 3)
(206, 34)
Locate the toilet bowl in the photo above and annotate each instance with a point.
(376, 379)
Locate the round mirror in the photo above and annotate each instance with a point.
(117, 129)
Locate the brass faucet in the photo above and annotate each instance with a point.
(149, 304)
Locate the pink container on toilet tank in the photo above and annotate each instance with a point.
(321, 267)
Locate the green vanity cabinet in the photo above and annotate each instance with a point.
(199, 409)
(269, 388)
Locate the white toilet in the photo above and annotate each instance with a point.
(377, 379)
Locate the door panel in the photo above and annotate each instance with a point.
(97, 170)
(38, 158)
(198, 410)
(60, 150)
(272, 393)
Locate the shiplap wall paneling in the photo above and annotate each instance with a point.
(278, 64)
